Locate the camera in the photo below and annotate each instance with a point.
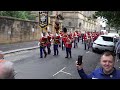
(80, 57)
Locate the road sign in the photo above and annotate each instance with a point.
(43, 19)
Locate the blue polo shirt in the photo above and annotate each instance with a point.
(99, 74)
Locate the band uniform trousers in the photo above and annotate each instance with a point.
(42, 49)
(68, 52)
(55, 47)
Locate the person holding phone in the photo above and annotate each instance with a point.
(106, 71)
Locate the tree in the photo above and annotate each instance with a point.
(113, 17)
(18, 14)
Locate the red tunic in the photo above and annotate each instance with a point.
(48, 39)
(43, 41)
(56, 39)
(85, 37)
(68, 42)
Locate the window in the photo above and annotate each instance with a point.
(79, 24)
(69, 24)
(107, 38)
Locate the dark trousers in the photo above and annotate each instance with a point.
(88, 45)
(82, 40)
(55, 47)
(48, 48)
(78, 39)
(42, 49)
(62, 45)
(75, 43)
(68, 52)
(85, 45)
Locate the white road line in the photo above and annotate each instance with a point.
(59, 71)
(88, 52)
(66, 72)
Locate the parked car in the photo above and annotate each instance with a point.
(113, 34)
(103, 43)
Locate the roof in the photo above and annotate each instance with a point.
(107, 35)
(113, 34)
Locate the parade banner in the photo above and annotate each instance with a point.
(43, 19)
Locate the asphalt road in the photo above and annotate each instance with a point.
(28, 65)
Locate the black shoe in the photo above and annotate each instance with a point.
(66, 57)
(70, 57)
(41, 57)
(45, 55)
(54, 55)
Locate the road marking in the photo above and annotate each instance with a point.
(59, 71)
(88, 52)
(66, 72)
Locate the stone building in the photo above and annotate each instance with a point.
(73, 20)
(80, 20)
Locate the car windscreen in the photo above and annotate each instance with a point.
(110, 39)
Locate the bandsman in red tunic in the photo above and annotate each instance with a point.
(43, 44)
(78, 35)
(64, 35)
(49, 38)
(85, 38)
(56, 42)
(68, 45)
(75, 39)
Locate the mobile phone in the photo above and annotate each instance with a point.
(80, 57)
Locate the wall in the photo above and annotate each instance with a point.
(16, 30)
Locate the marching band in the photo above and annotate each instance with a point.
(66, 40)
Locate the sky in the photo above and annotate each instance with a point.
(102, 21)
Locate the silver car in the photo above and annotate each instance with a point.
(103, 43)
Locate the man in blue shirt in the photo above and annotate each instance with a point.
(106, 71)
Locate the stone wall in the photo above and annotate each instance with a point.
(17, 30)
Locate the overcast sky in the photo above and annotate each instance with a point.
(100, 20)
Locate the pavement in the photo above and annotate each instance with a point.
(17, 47)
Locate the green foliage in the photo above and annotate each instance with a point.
(113, 17)
(18, 14)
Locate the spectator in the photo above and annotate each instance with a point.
(6, 70)
(106, 71)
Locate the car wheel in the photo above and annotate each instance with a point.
(93, 50)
